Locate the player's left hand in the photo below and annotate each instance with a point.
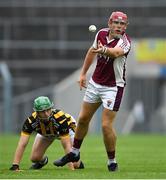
(100, 48)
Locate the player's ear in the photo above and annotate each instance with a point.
(109, 24)
(125, 27)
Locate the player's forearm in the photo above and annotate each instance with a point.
(20, 148)
(110, 52)
(113, 52)
(88, 61)
(18, 154)
(66, 143)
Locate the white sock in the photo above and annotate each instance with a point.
(75, 151)
(111, 161)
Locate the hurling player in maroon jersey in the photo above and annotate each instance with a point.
(110, 48)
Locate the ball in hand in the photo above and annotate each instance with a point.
(92, 28)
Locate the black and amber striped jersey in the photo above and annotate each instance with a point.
(58, 124)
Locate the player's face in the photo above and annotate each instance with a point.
(117, 27)
(44, 115)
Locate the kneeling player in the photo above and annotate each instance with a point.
(50, 124)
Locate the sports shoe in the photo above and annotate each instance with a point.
(81, 166)
(70, 157)
(40, 164)
(113, 167)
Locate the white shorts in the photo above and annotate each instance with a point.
(52, 138)
(109, 96)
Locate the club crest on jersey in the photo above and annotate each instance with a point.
(109, 103)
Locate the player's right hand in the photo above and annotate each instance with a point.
(14, 167)
(82, 82)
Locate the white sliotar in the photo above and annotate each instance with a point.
(92, 28)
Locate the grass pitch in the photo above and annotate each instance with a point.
(139, 157)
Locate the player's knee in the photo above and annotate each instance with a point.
(83, 121)
(107, 127)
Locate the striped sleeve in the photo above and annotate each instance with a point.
(25, 133)
(124, 43)
(94, 45)
(27, 128)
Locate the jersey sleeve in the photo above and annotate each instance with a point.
(124, 43)
(63, 129)
(94, 45)
(27, 128)
(71, 122)
(63, 122)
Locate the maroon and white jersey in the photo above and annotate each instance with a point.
(111, 72)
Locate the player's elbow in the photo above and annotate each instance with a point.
(116, 54)
(113, 53)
